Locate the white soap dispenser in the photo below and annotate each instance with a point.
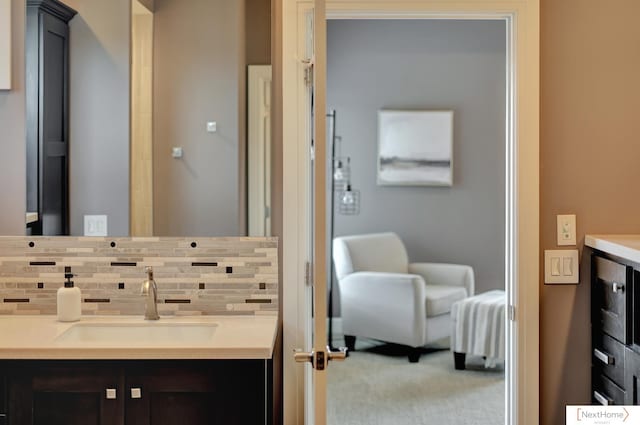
(69, 309)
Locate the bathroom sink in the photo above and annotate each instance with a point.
(148, 334)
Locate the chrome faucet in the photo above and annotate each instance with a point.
(150, 290)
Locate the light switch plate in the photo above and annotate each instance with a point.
(95, 225)
(561, 267)
(566, 225)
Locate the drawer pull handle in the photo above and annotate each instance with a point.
(618, 287)
(136, 393)
(110, 394)
(605, 401)
(604, 357)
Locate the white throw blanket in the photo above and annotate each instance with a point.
(478, 326)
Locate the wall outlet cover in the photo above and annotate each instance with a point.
(566, 225)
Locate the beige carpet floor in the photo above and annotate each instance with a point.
(378, 386)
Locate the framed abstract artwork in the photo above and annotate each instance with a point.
(5, 44)
(415, 148)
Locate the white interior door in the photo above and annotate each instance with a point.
(318, 357)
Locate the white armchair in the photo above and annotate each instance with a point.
(384, 297)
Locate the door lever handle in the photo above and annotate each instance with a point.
(320, 359)
(340, 355)
(302, 357)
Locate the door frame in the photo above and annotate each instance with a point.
(259, 150)
(522, 184)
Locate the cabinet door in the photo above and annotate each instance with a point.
(54, 126)
(65, 395)
(3, 397)
(197, 393)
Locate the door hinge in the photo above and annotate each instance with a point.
(308, 71)
(512, 313)
(308, 274)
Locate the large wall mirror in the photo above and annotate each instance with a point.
(148, 117)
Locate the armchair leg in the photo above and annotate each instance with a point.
(350, 342)
(458, 360)
(414, 354)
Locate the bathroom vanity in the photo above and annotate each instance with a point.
(195, 370)
(208, 360)
(615, 318)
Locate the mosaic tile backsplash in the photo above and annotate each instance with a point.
(195, 276)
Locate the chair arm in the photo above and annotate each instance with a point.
(386, 306)
(445, 274)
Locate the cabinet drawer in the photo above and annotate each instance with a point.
(606, 392)
(612, 298)
(632, 376)
(608, 358)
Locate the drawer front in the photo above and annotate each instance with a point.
(612, 298)
(608, 358)
(606, 392)
(632, 376)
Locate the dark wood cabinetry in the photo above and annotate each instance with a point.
(3, 398)
(47, 96)
(63, 394)
(614, 358)
(203, 393)
(139, 392)
(632, 377)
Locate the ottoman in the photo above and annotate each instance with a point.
(478, 326)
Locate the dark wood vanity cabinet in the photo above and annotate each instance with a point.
(3, 397)
(613, 284)
(194, 392)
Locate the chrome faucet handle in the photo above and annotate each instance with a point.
(150, 290)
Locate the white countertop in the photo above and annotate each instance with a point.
(624, 246)
(235, 337)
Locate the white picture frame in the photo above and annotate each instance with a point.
(415, 148)
(5, 44)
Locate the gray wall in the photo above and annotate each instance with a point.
(99, 68)
(198, 70)
(456, 65)
(12, 134)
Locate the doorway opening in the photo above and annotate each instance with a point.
(521, 191)
(390, 83)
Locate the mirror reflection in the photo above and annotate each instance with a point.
(148, 117)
